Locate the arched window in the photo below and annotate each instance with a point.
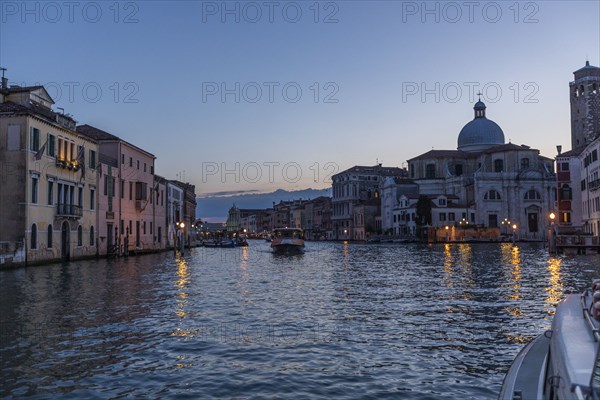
(581, 90)
(532, 195)
(79, 236)
(33, 237)
(492, 195)
(49, 241)
(92, 238)
(595, 88)
(524, 163)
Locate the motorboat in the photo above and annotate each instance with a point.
(563, 362)
(287, 240)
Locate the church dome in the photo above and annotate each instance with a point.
(481, 133)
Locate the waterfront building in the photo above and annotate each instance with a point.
(48, 179)
(128, 216)
(352, 188)
(578, 181)
(175, 207)
(491, 180)
(233, 220)
(585, 105)
(160, 230)
(392, 189)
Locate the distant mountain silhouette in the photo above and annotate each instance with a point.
(214, 208)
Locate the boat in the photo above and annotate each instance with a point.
(563, 362)
(228, 243)
(287, 240)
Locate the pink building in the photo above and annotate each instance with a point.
(130, 215)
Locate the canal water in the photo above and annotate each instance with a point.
(339, 321)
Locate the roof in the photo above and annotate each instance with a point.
(443, 154)
(572, 153)
(34, 109)
(376, 169)
(21, 89)
(508, 147)
(100, 135)
(95, 133)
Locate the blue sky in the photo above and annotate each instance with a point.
(379, 80)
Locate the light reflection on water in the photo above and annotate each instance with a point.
(341, 320)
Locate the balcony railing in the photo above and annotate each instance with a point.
(68, 210)
(594, 185)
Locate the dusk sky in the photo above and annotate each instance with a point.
(206, 85)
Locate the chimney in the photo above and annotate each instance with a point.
(4, 80)
(559, 149)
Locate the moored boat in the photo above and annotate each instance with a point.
(563, 362)
(288, 240)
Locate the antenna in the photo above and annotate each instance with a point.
(2, 69)
(62, 110)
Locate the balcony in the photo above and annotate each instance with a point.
(68, 211)
(594, 185)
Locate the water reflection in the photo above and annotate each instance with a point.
(555, 290)
(386, 321)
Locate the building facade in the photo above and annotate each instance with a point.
(48, 197)
(129, 214)
(492, 181)
(355, 186)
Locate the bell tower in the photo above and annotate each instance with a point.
(584, 93)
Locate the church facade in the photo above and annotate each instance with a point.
(485, 182)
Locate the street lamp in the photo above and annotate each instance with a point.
(552, 235)
(514, 227)
(182, 238)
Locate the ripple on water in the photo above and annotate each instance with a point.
(340, 321)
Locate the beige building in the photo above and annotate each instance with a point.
(48, 181)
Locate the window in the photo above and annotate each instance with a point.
(451, 217)
(565, 192)
(152, 169)
(130, 190)
(492, 221)
(159, 234)
(524, 163)
(33, 244)
(123, 159)
(138, 164)
(144, 167)
(492, 195)
(458, 170)
(564, 166)
(50, 193)
(141, 190)
(51, 145)
(122, 226)
(583, 185)
(130, 226)
(49, 238)
(151, 228)
(144, 227)
(34, 189)
(472, 217)
(130, 161)
(442, 217)
(565, 217)
(594, 155)
(34, 139)
(92, 238)
(498, 165)
(92, 198)
(80, 197)
(430, 171)
(532, 195)
(92, 159)
(122, 188)
(442, 202)
(79, 236)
